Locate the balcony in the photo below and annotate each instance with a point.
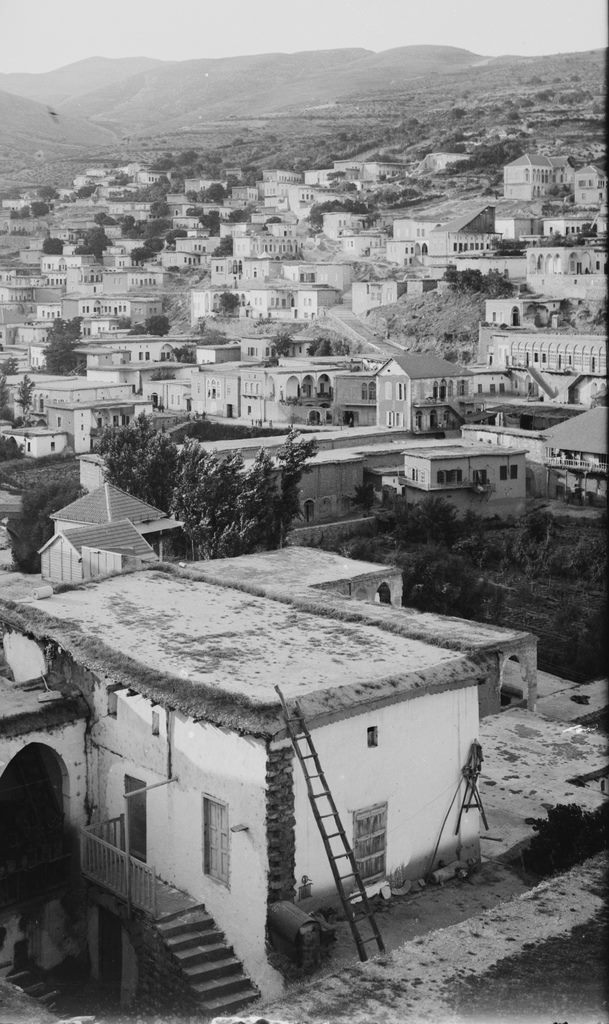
(103, 860)
(577, 465)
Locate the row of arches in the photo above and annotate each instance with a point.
(558, 356)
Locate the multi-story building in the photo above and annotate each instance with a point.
(422, 393)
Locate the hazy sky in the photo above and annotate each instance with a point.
(39, 35)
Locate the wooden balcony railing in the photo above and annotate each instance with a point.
(583, 465)
(104, 862)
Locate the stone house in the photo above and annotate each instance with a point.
(563, 272)
(218, 827)
(368, 295)
(423, 393)
(590, 186)
(355, 394)
(531, 175)
(38, 442)
(485, 479)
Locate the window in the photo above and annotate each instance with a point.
(503, 472)
(370, 841)
(440, 476)
(215, 839)
(52, 446)
(400, 392)
(513, 472)
(372, 734)
(59, 421)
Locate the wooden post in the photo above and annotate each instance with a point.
(128, 856)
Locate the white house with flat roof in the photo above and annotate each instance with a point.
(190, 781)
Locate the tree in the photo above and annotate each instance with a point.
(364, 496)
(437, 581)
(34, 527)
(9, 449)
(211, 223)
(86, 191)
(215, 193)
(60, 354)
(47, 193)
(226, 511)
(185, 353)
(238, 216)
(141, 253)
(9, 367)
(158, 325)
(225, 248)
(141, 461)
(52, 246)
(24, 396)
(292, 457)
(433, 521)
(95, 243)
(39, 209)
(229, 302)
(5, 397)
(281, 344)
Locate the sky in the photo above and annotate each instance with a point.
(40, 35)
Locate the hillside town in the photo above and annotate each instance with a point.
(250, 727)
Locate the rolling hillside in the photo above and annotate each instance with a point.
(54, 87)
(31, 133)
(186, 93)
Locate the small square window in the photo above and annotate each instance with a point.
(372, 733)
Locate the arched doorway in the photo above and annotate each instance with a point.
(514, 689)
(34, 852)
(515, 316)
(383, 594)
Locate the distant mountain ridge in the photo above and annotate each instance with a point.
(139, 93)
(55, 87)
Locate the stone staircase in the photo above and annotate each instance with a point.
(30, 981)
(213, 973)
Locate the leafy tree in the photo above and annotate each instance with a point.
(157, 226)
(86, 191)
(225, 248)
(60, 354)
(9, 449)
(215, 193)
(141, 253)
(229, 302)
(567, 837)
(211, 223)
(95, 243)
(5, 396)
(281, 344)
(238, 216)
(185, 353)
(141, 461)
(39, 209)
(47, 193)
(292, 457)
(24, 396)
(34, 527)
(171, 236)
(52, 246)
(103, 219)
(433, 521)
(158, 325)
(364, 496)
(9, 367)
(437, 581)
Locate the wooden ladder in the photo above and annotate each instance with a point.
(330, 828)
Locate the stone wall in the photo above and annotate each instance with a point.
(280, 823)
(312, 536)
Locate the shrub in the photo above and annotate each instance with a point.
(568, 836)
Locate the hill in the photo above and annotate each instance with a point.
(186, 93)
(84, 76)
(31, 134)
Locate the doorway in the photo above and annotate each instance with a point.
(137, 818)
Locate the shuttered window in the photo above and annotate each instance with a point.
(215, 839)
(370, 841)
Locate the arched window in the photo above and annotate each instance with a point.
(372, 391)
(434, 390)
(365, 392)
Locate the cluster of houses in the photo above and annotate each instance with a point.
(145, 761)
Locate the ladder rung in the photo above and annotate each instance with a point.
(333, 835)
(350, 874)
(332, 814)
(316, 796)
(339, 856)
(305, 757)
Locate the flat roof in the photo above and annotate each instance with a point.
(289, 568)
(454, 448)
(227, 644)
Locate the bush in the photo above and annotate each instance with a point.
(567, 837)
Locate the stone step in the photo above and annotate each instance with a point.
(35, 990)
(188, 939)
(223, 1005)
(206, 970)
(215, 951)
(171, 915)
(185, 923)
(49, 998)
(217, 987)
